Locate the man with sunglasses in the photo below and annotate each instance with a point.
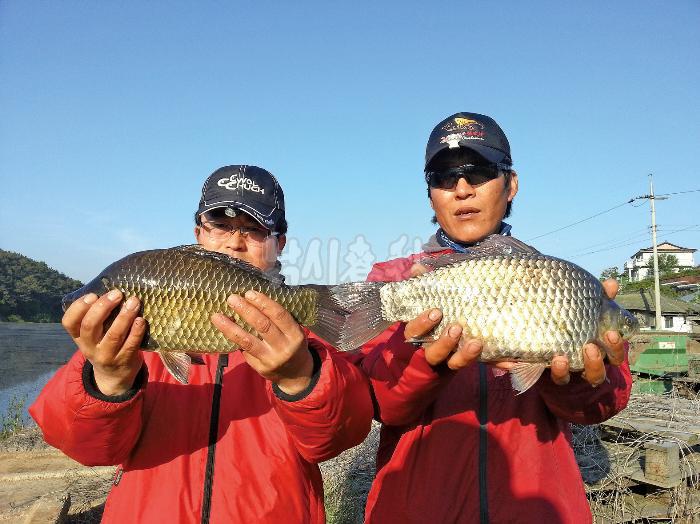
(457, 444)
(241, 441)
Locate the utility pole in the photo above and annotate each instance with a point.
(657, 287)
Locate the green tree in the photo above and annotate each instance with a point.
(30, 290)
(667, 264)
(611, 272)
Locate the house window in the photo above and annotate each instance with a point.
(668, 322)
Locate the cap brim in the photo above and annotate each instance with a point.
(490, 154)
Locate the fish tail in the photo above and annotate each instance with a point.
(349, 314)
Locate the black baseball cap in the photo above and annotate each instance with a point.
(480, 133)
(250, 189)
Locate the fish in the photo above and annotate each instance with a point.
(522, 305)
(181, 287)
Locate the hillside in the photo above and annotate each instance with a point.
(31, 291)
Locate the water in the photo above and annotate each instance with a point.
(30, 354)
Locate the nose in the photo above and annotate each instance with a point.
(464, 189)
(236, 242)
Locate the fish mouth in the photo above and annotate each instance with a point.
(466, 213)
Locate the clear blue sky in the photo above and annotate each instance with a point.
(112, 114)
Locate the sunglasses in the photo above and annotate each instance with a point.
(474, 175)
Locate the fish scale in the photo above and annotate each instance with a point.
(180, 288)
(526, 308)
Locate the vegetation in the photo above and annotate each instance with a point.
(15, 418)
(666, 269)
(31, 291)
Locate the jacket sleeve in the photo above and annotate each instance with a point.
(334, 413)
(86, 425)
(403, 383)
(580, 403)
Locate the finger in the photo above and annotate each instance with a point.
(73, 316)
(132, 344)
(559, 370)
(236, 334)
(422, 324)
(285, 324)
(92, 326)
(439, 350)
(506, 364)
(255, 318)
(465, 355)
(121, 326)
(418, 269)
(611, 287)
(594, 367)
(615, 348)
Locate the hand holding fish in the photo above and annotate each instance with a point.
(114, 353)
(445, 348)
(281, 355)
(593, 361)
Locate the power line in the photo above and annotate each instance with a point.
(630, 201)
(669, 233)
(580, 221)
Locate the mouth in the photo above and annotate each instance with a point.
(466, 213)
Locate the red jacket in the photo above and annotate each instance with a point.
(462, 447)
(262, 452)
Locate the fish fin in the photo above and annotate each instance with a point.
(330, 317)
(502, 245)
(178, 364)
(419, 341)
(197, 250)
(492, 245)
(524, 375)
(359, 306)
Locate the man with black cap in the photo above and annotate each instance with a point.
(457, 444)
(241, 441)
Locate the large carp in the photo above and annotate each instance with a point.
(523, 306)
(180, 288)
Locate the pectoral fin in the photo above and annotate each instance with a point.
(524, 375)
(178, 364)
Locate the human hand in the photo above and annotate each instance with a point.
(447, 347)
(114, 354)
(281, 354)
(593, 355)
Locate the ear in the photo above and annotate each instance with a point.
(198, 234)
(513, 190)
(281, 242)
(430, 197)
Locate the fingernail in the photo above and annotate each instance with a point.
(114, 295)
(454, 331)
(132, 304)
(613, 337)
(234, 300)
(250, 294)
(592, 351)
(434, 315)
(89, 299)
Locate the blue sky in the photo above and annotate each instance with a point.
(112, 114)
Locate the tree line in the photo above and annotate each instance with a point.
(30, 291)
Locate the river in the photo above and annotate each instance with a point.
(29, 355)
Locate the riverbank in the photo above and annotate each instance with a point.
(39, 482)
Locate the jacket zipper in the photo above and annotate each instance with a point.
(483, 441)
(213, 432)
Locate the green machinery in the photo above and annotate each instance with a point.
(663, 359)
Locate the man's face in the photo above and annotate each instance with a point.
(469, 213)
(257, 247)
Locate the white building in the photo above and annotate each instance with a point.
(641, 265)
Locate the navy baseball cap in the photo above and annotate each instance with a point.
(480, 133)
(250, 189)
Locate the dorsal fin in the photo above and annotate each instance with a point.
(197, 250)
(492, 245)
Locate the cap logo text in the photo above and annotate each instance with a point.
(236, 181)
